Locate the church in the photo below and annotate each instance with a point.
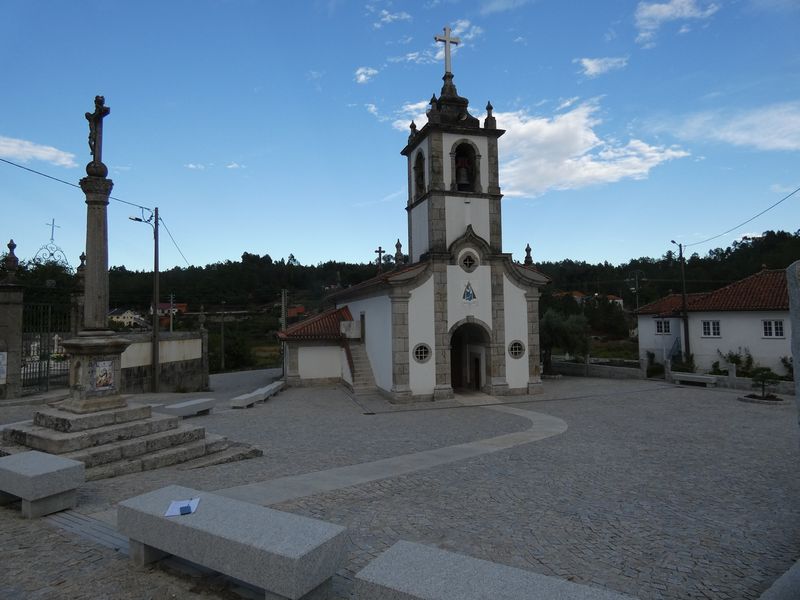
(461, 314)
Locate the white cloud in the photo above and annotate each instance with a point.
(411, 111)
(386, 198)
(364, 74)
(650, 16)
(372, 109)
(779, 188)
(235, 165)
(567, 103)
(772, 127)
(521, 40)
(565, 152)
(24, 151)
(195, 166)
(593, 67)
(493, 6)
(385, 17)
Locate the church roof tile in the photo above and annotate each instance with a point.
(324, 326)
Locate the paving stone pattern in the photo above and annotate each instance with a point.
(655, 491)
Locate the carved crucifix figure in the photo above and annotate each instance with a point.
(447, 41)
(96, 136)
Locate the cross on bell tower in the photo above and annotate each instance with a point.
(447, 42)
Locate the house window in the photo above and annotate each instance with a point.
(516, 349)
(773, 328)
(711, 329)
(662, 326)
(422, 352)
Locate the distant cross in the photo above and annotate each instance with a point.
(96, 128)
(380, 252)
(447, 41)
(52, 226)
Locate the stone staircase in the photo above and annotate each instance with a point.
(121, 441)
(363, 379)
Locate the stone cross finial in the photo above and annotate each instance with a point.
(96, 168)
(11, 261)
(413, 133)
(528, 257)
(447, 41)
(380, 252)
(490, 122)
(398, 254)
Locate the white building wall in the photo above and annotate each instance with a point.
(421, 376)
(740, 330)
(419, 230)
(347, 376)
(659, 344)
(448, 140)
(315, 362)
(516, 324)
(460, 212)
(139, 354)
(378, 324)
(481, 307)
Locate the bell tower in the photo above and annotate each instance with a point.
(453, 180)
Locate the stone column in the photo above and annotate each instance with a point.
(95, 353)
(11, 296)
(443, 389)
(534, 357)
(95, 310)
(400, 367)
(497, 364)
(793, 283)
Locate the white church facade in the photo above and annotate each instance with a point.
(461, 314)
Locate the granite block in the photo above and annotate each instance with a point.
(409, 571)
(34, 475)
(288, 555)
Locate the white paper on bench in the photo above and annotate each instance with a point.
(174, 509)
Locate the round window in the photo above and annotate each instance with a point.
(422, 352)
(468, 262)
(516, 349)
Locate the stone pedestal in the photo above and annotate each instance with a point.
(95, 371)
(10, 341)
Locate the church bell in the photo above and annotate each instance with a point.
(462, 177)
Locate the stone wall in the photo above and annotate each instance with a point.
(180, 372)
(10, 341)
(605, 371)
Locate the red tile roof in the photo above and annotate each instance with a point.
(324, 326)
(765, 290)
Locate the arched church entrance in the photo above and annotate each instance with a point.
(469, 356)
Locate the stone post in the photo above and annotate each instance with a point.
(11, 296)
(95, 352)
(793, 283)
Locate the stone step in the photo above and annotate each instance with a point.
(61, 420)
(231, 454)
(57, 442)
(123, 449)
(161, 458)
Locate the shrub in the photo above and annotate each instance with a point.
(742, 359)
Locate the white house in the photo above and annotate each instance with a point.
(748, 315)
(462, 313)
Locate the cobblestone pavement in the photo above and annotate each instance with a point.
(654, 490)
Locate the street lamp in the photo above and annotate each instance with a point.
(687, 350)
(153, 222)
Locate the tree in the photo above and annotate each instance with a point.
(764, 377)
(570, 334)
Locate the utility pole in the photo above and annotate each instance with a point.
(156, 319)
(686, 349)
(222, 339)
(636, 275)
(171, 310)
(284, 293)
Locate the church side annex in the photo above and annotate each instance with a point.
(462, 314)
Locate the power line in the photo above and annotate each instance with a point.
(13, 164)
(745, 222)
(174, 242)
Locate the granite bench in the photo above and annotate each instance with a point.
(409, 571)
(188, 408)
(708, 380)
(260, 395)
(287, 555)
(45, 483)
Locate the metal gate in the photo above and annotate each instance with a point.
(44, 364)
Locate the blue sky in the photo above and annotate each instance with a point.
(275, 128)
